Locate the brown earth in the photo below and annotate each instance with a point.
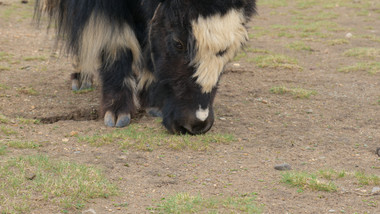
(338, 128)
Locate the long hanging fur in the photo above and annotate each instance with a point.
(165, 54)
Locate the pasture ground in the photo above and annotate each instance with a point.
(306, 92)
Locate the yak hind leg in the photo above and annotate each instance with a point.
(80, 80)
(119, 99)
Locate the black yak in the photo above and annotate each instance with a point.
(165, 56)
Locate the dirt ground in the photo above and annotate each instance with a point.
(338, 127)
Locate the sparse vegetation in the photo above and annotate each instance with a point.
(22, 144)
(299, 46)
(335, 42)
(149, 138)
(34, 58)
(296, 92)
(7, 131)
(370, 67)
(305, 180)
(4, 119)
(186, 203)
(3, 151)
(365, 179)
(323, 179)
(365, 53)
(277, 62)
(61, 183)
(27, 91)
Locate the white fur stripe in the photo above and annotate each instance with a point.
(202, 114)
(213, 35)
(100, 35)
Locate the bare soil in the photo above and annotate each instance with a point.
(338, 128)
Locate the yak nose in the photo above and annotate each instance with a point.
(201, 122)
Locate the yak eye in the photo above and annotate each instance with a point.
(178, 44)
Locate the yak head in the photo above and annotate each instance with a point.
(191, 41)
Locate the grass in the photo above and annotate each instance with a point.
(299, 46)
(4, 119)
(3, 150)
(370, 67)
(336, 42)
(276, 62)
(61, 183)
(364, 179)
(2, 87)
(310, 181)
(146, 138)
(373, 38)
(22, 144)
(323, 179)
(27, 91)
(34, 58)
(186, 203)
(364, 53)
(4, 68)
(27, 121)
(296, 92)
(7, 131)
(273, 3)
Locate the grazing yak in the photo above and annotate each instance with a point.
(164, 56)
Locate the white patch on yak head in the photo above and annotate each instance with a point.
(202, 114)
(218, 38)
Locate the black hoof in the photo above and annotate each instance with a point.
(122, 120)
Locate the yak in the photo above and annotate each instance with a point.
(164, 56)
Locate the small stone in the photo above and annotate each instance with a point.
(65, 140)
(283, 167)
(222, 118)
(77, 152)
(376, 191)
(332, 211)
(90, 211)
(349, 35)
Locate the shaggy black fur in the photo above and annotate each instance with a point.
(164, 33)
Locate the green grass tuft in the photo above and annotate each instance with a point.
(34, 58)
(22, 144)
(186, 203)
(335, 42)
(305, 180)
(7, 131)
(366, 53)
(27, 91)
(277, 62)
(299, 46)
(146, 138)
(4, 119)
(296, 92)
(365, 179)
(370, 67)
(3, 150)
(62, 183)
